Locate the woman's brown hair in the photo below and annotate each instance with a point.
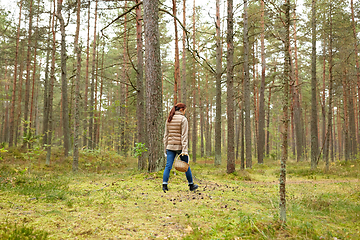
(177, 107)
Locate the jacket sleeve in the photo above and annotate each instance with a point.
(184, 135)
(165, 140)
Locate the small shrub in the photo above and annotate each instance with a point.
(14, 232)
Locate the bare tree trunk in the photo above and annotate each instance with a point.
(194, 119)
(201, 111)
(261, 128)
(77, 51)
(140, 107)
(85, 120)
(356, 55)
(247, 89)
(299, 131)
(28, 63)
(65, 111)
(218, 88)
(13, 98)
(177, 64)
(153, 85)
(51, 91)
(92, 91)
(314, 121)
(183, 77)
(230, 88)
(268, 122)
(31, 130)
(285, 120)
(329, 127)
(46, 89)
(18, 118)
(347, 148)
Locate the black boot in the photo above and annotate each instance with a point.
(165, 188)
(193, 187)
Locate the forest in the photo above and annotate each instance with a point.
(272, 89)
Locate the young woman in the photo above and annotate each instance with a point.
(176, 142)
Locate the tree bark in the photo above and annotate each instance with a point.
(261, 128)
(218, 88)
(230, 88)
(92, 87)
(77, 51)
(194, 119)
(34, 75)
(51, 91)
(153, 85)
(285, 120)
(183, 76)
(46, 88)
(314, 121)
(13, 97)
(85, 120)
(64, 100)
(299, 130)
(27, 86)
(329, 127)
(140, 109)
(247, 89)
(177, 91)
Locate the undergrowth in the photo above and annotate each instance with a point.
(110, 199)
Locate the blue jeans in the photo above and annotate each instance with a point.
(169, 162)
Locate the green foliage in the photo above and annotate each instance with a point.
(16, 232)
(139, 149)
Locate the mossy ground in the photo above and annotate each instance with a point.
(109, 199)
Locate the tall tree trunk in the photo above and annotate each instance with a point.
(230, 88)
(201, 113)
(64, 100)
(34, 75)
(314, 121)
(153, 85)
(268, 121)
(27, 88)
(13, 97)
(194, 119)
(177, 63)
(261, 128)
(346, 88)
(92, 91)
(85, 121)
(46, 88)
(77, 51)
(18, 118)
(353, 23)
(329, 127)
(183, 76)
(247, 89)
(285, 120)
(299, 131)
(323, 102)
(218, 88)
(352, 128)
(51, 90)
(140, 106)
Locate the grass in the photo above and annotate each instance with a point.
(109, 199)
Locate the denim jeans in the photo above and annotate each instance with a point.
(169, 162)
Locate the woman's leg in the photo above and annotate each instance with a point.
(188, 173)
(169, 162)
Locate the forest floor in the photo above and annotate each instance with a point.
(110, 199)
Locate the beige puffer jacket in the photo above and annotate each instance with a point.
(176, 133)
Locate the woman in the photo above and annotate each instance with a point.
(176, 142)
